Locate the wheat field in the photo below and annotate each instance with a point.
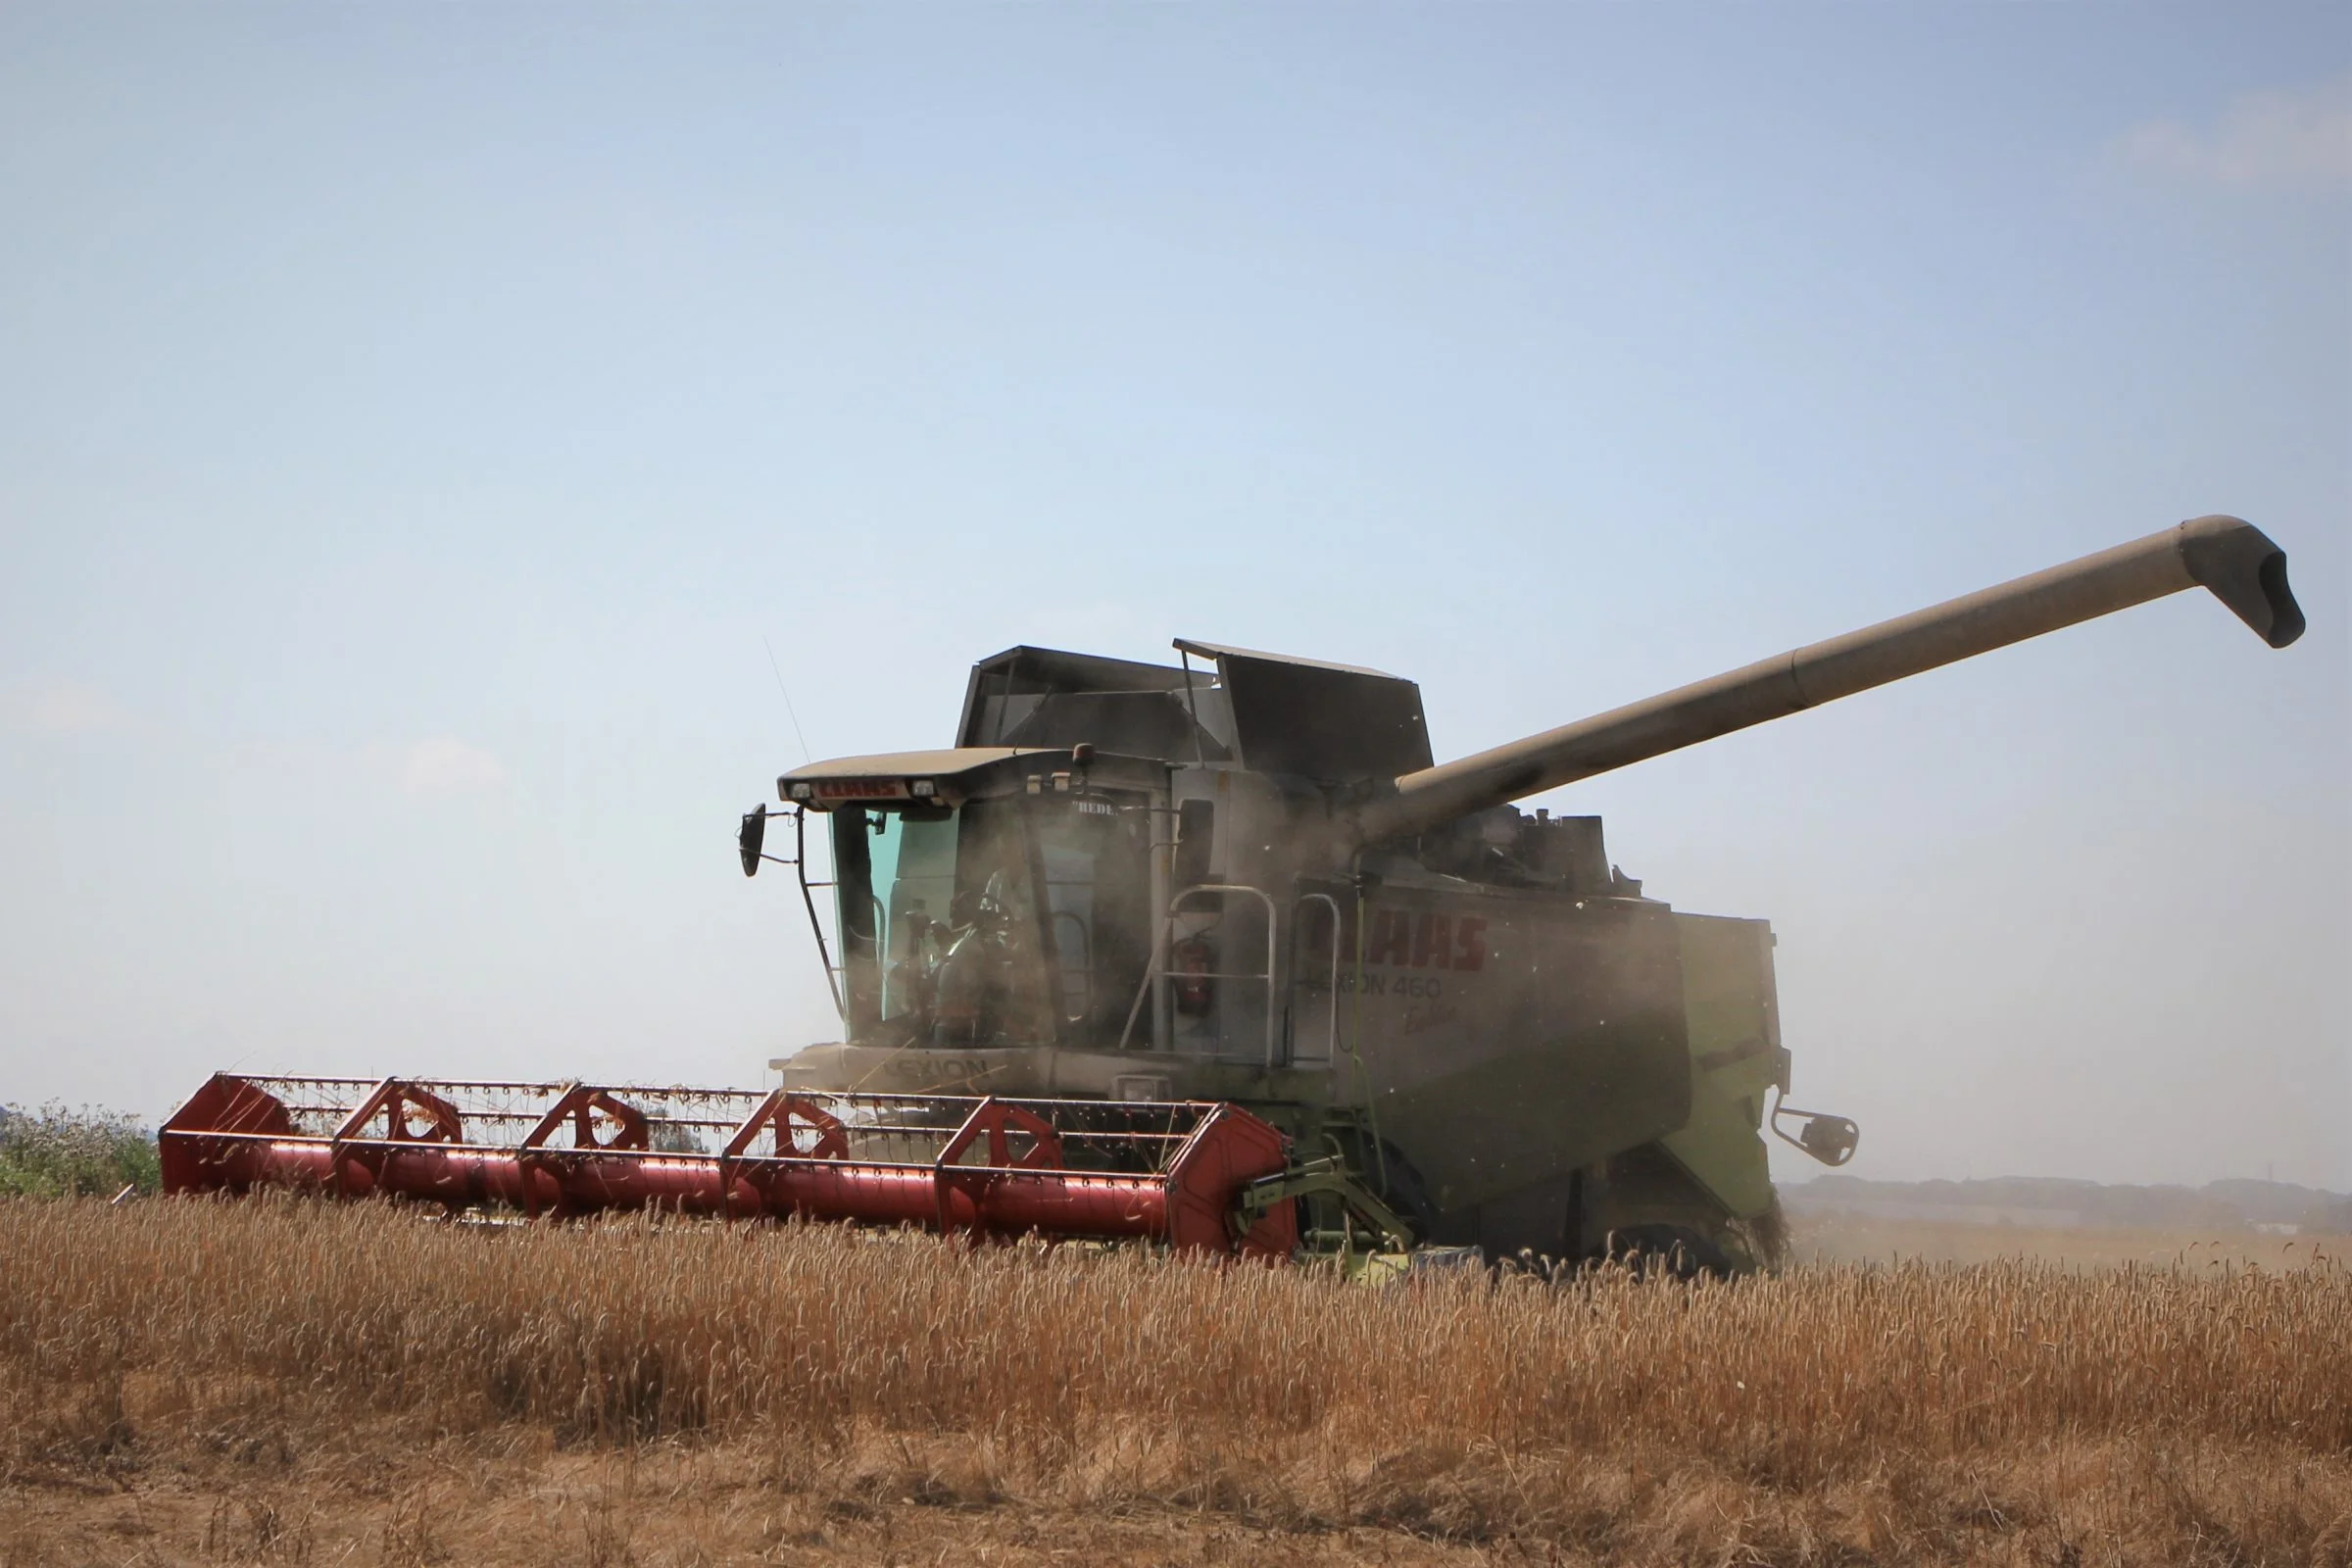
(282, 1381)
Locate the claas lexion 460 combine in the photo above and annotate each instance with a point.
(1214, 955)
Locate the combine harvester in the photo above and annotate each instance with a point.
(1217, 959)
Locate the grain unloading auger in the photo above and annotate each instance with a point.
(1234, 901)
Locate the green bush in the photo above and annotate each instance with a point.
(56, 1153)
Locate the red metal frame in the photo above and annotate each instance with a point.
(1169, 1172)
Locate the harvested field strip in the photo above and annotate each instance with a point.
(1133, 1377)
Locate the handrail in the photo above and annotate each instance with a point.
(1273, 955)
(800, 866)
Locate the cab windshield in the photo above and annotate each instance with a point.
(1021, 920)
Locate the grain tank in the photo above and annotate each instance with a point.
(1244, 878)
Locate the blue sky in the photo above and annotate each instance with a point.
(412, 421)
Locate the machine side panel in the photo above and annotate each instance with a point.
(1552, 1037)
(1735, 1059)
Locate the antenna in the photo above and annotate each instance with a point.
(806, 755)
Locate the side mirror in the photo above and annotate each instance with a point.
(1827, 1138)
(752, 836)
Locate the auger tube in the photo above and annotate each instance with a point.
(2228, 555)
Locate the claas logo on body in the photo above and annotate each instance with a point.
(1426, 940)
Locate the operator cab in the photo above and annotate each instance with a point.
(987, 896)
(1007, 893)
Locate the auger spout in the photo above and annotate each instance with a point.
(2228, 555)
